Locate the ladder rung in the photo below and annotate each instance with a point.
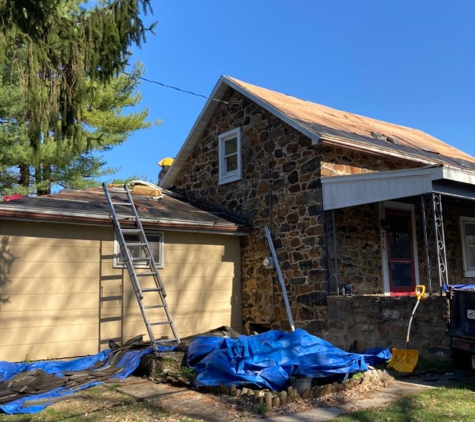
(111, 319)
(109, 298)
(160, 323)
(152, 289)
(131, 231)
(145, 274)
(122, 203)
(154, 306)
(135, 244)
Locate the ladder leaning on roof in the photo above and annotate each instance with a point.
(148, 275)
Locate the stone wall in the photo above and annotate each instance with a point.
(280, 188)
(383, 322)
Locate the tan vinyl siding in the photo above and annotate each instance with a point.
(61, 297)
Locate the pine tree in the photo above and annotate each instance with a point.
(62, 90)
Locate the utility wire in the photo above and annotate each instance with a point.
(173, 87)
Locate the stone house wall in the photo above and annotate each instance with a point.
(280, 188)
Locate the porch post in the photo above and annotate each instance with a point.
(440, 239)
(330, 236)
(327, 241)
(434, 237)
(426, 245)
(335, 257)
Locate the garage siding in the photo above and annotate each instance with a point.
(61, 297)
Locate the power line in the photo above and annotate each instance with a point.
(173, 87)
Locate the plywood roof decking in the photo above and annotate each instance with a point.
(327, 125)
(90, 205)
(359, 130)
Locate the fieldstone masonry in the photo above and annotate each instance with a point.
(281, 188)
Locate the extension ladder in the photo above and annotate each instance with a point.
(146, 281)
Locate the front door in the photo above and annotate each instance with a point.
(400, 252)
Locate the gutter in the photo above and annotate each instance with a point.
(107, 222)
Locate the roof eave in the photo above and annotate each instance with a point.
(28, 216)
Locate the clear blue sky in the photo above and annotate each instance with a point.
(407, 62)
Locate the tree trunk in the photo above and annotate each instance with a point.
(24, 179)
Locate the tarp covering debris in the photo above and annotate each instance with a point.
(30, 387)
(268, 360)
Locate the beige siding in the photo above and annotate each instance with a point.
(60, 295)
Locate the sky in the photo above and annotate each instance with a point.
(406, 62)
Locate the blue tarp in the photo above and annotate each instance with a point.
(125, 366)
(268, 360)
(446, 287)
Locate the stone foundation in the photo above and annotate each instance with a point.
(383, 321)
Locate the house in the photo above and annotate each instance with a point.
(354, 205)
(64, 291)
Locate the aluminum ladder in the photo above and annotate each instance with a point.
(146, 282)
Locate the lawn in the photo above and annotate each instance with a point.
(105, 403)
(101, 403)
(441, 404)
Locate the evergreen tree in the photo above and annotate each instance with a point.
(34, 165)
(62, 90)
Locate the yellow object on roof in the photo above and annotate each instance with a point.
(165, 162)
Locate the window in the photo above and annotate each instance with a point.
(230, 156)
(467, 228)
(155, 240)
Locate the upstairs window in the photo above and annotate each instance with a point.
(467, 228)
(230, 156)
(155, 241)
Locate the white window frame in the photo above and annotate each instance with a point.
(467, 271)
(119, 264)
(392, 205)
(229, 176)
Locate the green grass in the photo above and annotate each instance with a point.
(439, 404)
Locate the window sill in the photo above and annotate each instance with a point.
(227, 180)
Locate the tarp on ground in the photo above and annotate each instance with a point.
(268, 360)
(30, 387)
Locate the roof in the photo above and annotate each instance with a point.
(172, 211)
(325, 125)
(353, 190)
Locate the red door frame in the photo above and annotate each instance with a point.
(405, 290)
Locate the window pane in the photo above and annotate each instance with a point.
(399, 240)
(470, 254)
(230, 146)
(470, 234)
(231, 163)
(401, 275)
(154, 242)
(139, 252)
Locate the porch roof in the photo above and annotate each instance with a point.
(349, 191)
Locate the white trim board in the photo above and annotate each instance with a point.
(352, 190)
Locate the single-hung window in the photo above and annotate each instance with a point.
(155, 241)
(230, 156)
(467, 228)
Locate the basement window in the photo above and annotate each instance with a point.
(230, 156)
(155, 240)
(467, 228)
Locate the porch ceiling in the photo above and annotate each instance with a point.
(349, 191)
